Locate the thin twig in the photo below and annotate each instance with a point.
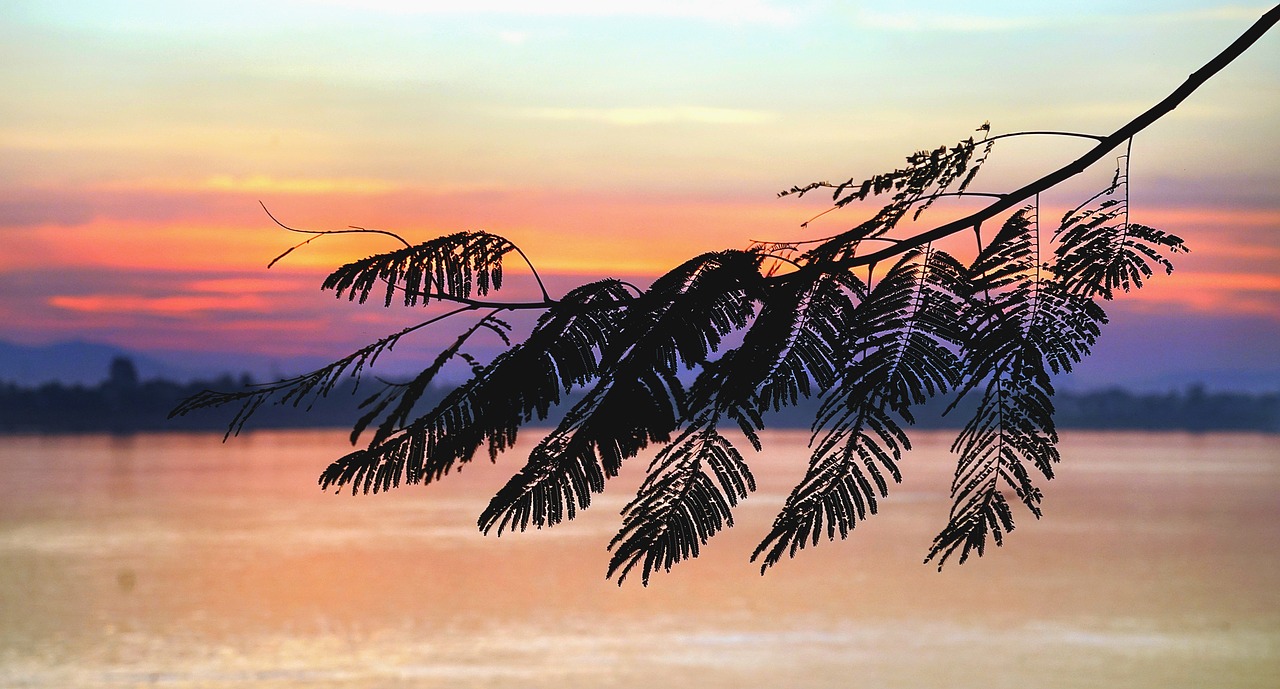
(320, 233)
(1079, 135)
(545, 297)
(798, 242)
(482, 303)
(638, 291)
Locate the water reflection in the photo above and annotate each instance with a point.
(176, 561)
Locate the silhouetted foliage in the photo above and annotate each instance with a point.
(704, 352)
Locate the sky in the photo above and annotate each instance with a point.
(138, 139)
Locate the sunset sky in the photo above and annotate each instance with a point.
(137, 139)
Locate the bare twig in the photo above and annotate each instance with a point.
(316, 234)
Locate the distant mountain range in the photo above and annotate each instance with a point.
(85, 363)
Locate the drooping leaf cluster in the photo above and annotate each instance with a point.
(692, 365)
(451, 267)
(927, 176)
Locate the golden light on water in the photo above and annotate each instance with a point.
(179, 561)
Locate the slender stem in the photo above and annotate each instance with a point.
(1079, 135)
(1128, 188)
(320, 233)
(960, 194)
(545, 297)
(819, 240)
(486, 304)
(429, 321)
(833, 208)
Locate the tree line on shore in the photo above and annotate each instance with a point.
(123, 403)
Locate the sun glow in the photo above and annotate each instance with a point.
(602, 138)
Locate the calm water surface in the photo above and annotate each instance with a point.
(177, 561)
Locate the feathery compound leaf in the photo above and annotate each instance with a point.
(795, 341)
(937, 169)
(845, 476)
(687, 497)
(452, 266)
(617, 419)
(1100, 251)
(524, 382)
(898, 357)
(788, 348)
(679, 507)
(638, 399)
(927, 176)
(1098, 254)
(1027, 325)
(307, 387)
(1023, 324)
(904, 330)
(690, 309)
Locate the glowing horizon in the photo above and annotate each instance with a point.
(139, 138)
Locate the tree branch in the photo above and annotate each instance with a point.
(1105, 146)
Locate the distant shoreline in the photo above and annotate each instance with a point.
(124, 404)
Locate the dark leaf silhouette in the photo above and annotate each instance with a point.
(638, 398)
(523, 383)
(1022, 324)
(705, 353)
(898, 356)
(452, 267)
(688, 496)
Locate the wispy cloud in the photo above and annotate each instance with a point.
(961, 22)
(264, 183)
(245, 285)
(718, 11)
(178, 305)
(653, 115)
(514, 37)
(941, 21)
(247, 184)
(1228, 13)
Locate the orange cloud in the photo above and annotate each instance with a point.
(1254, 294)
(262, 185)
(240, 285)
(571, 232)
(181, 305)
(1242, 282)
(187, 267)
